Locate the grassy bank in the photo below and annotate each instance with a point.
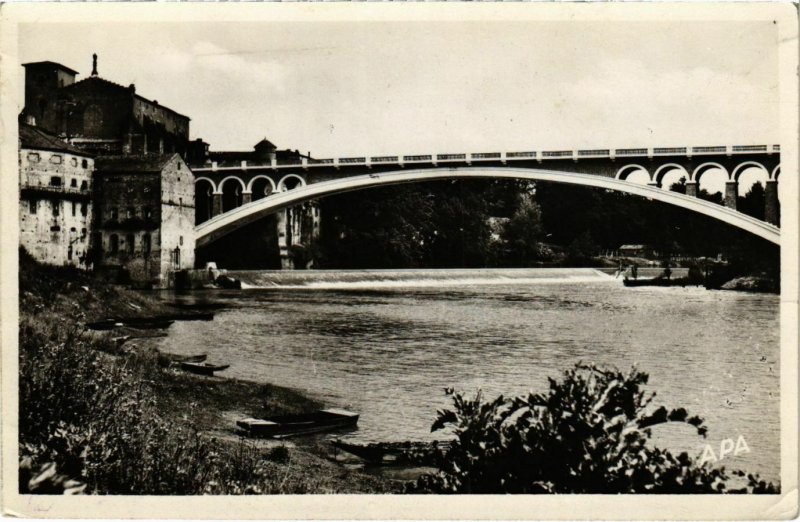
(98, 416)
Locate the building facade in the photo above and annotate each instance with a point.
(145, 218)
(55, 211)
(101, 116)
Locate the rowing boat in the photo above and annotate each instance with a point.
(291, 425)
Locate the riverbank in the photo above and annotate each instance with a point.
(87, 397)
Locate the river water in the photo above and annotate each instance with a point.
(386, 344)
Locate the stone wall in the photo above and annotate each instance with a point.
(55, 212)
(177, 218)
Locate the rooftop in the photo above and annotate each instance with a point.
(32, 137)
(52, 64)
(131, 164)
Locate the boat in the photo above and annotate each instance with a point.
(203, 368)
(147, 324)
(105, 324)
(660, 281)
(291, 425)
(175, 358)
(386, 453)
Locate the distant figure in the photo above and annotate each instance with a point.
(635, 271)
(667, 272)
(620, 270)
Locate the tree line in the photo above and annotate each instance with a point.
(519, 223)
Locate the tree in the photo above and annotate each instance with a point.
(523, 233)
(753, 202)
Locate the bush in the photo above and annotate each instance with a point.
(89, 423)
(588, 434)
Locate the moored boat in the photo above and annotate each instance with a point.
(175, 358)
(291, 425)
(660, 281)
(203, 368)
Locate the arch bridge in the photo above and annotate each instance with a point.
(230, 196)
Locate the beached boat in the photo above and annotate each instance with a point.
(203, 368)
(147, 324)
(175, 358)
(292, 425)
(388, 453)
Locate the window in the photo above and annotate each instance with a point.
(146, 244)
(84, 209)
(181, 240)
(73, 183)
(179, 168)
(33, 157)
(55, 181)
(114, 213)
(180, 202)
(73, 162)
(113, 244)
(84, 164)
(84, 185)
(130, 212)
(56, 207)
(148, 213)
(32, 206)
(55, 159)
(83, 234)
(129, 239)
(74, 208)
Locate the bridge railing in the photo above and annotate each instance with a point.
(468, 158)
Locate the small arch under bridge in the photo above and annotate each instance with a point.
(227, 222)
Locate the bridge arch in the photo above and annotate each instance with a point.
(737, 171)
(270, 182)
(627, 170)
(701, 169)
(282, 187)
(221, 186)
(204, 190)
(775, 172)
(208, 180)
(232, 193)
(225, 223)
(663, 170)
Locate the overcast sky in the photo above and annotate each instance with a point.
(414, 87)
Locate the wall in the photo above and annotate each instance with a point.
(55, 221)
(177, 218)
(128, 208)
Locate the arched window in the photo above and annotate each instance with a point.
(84, 185)
(130, 243)
(113, 244)
(84, 164)
(146, 244)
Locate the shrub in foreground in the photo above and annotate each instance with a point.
(589, 433)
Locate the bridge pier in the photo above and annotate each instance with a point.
(771, 213)
(216, 204)
(731, 194)
(691, 188)
(247, 197)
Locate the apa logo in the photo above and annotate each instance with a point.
(726, 447)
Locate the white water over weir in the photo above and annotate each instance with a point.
(366, 279)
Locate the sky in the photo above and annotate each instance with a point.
(375, 88)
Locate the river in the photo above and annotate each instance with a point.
(386, 344)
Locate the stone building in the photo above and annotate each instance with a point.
(100, 116)
(55, 212)
(144, 214)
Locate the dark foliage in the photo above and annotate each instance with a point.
(589, 433)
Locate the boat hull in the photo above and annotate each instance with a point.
(295, 425)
